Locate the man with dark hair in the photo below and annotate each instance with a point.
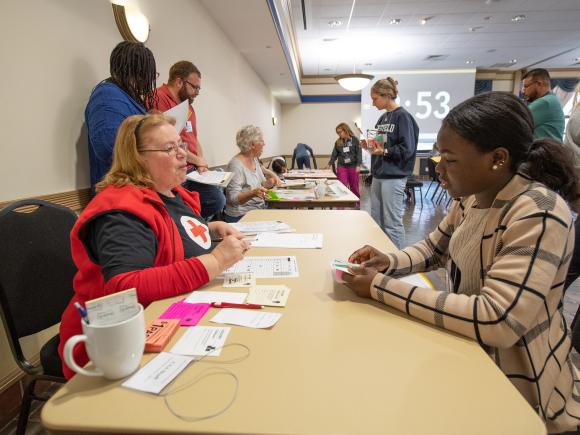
(184, 83)
(544, 105)
(130, 90)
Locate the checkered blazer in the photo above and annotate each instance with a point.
(516, 315)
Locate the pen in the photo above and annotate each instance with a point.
(82, 312)
(232, 305)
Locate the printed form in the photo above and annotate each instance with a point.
(267, 267)
(202, 340)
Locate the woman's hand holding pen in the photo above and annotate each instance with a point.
(229, 251)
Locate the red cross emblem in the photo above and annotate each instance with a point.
(197, 231)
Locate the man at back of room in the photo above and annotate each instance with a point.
(544, 105)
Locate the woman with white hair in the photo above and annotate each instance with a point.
(250, 181)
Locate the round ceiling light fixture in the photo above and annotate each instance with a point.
(353, 82)
(132, 24)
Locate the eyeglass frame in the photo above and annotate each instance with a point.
(195, 88)
(173, 148)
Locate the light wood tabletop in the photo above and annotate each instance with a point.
(333, 364)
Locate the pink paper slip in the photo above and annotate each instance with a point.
(188, 314)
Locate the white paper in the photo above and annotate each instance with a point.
(207, 297)
(267, 267)
(271, 295)
(248, 318)
(113, 308)
(260, 226)
(417, 279)
(292, 240)
(245, 279)
(216, 178)
(180, 113)
(202, 340)
(157, 373)
(335, 189)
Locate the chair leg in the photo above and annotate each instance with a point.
(428, 187)
(435, 191)
(25, 407)
(420, 197)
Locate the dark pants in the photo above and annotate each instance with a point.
(303, 161)
(212, 198)
(232, 219)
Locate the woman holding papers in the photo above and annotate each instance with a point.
(250, 180)
(142, 229)
(506, 243)
(347, 151)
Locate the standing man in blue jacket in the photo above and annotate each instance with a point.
(130, 90)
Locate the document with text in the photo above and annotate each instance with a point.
(202, 340)
(248, 318)
(154, 376)
(267, 267)
(270, 295)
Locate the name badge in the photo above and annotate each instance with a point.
(345, 149)
(347, 160)
(188, 127)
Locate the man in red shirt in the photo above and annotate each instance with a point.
(184, 84)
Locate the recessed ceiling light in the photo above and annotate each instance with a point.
(475, 28)
(469, 62)
(425, 19)
(518, 18)
(335, 23)
(513, 61)
(395, 21)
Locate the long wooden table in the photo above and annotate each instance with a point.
(348, 200)
(334, 364)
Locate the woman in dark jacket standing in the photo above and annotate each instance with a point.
(348, 152)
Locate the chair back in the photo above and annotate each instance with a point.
(37, 269)
(431, 170)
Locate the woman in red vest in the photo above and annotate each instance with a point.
(142, 229)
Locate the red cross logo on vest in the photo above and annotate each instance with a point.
(197, 231)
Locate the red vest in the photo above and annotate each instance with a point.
(89, 282)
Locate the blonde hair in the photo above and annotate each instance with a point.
(344, 127)
(386, 87)
(128, 167)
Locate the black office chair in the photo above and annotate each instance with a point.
(35, 285)
(412, 184)
(433, 177)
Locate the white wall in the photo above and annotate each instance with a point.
(315, 124)
(54, 52)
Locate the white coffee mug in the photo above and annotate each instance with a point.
(114, 349)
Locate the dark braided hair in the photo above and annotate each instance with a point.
(499, 119)
(133, 69)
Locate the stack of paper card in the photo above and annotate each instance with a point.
(215, 178)
(262, 227)
(112, 308)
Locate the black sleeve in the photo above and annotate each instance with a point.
(293, 158)
(312, 154)
(333, 156)
(357, 150)
(120, 242)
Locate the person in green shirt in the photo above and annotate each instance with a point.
(544, 105)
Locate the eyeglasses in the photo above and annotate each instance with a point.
(195, 88)
(170, 149)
